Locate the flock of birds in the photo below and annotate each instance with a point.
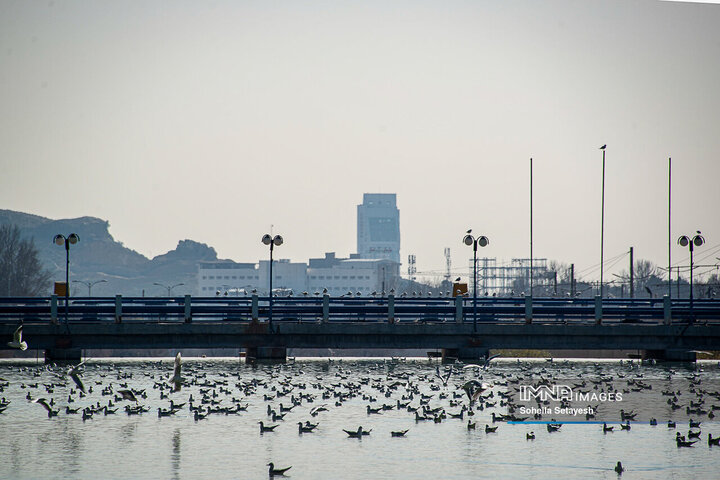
(456, 392)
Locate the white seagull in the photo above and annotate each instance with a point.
(17, 341)
(74, 373)
(176, 378)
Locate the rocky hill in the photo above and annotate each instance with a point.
(98, 256)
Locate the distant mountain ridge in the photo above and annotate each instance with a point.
(98, 256)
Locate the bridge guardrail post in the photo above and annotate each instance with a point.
(254, 308)
(458, 309)
(118, 308)
(188, 312)
(528, 309)
(391, 308)
(667, 310)
(326, 308)
(53, 309)
(598, 309)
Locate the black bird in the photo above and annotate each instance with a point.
(603, 147)
(619, 468)
(272, 471)
(266, 428)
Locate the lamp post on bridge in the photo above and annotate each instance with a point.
(696, 241)
(602, 222)
(272, 242)
(169, 287)
(474, 241)
(71, 239)
(90, 285)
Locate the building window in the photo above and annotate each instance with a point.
(211, 277)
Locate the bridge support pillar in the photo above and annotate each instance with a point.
(63, 355)
(118, 308)
(458, 309)
(326, 308)
(188, 311)
(391, 308)
(254, 309)
(266, 353)
(670, 355)
(465, 353)
(54, 309)
(667, 310)
(528, 309)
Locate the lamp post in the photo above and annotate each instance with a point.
(602, 223)
(71, 239)
(90, 285)
(696, 241)
(272, 242)
(474, 241)
(169, 288)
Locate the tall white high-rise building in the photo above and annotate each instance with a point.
(378, 227)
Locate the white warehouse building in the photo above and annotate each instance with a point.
(338, 275)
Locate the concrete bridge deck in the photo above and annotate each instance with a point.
(389, 323)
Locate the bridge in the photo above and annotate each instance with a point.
(670, 329)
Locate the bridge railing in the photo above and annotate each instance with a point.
(354, 309)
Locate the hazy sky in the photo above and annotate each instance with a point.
(213, 120)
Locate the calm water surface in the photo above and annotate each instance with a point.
(231, 446)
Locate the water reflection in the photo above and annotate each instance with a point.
(175, 456)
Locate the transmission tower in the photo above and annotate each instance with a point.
(411, 267)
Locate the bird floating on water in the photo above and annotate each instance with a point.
(272, 471)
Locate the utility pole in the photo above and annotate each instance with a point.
(632, 282)
(555, 284)
(572, 280)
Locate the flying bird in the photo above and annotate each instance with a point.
(51, 413)
(474, 389)
(176, 378)
(444, 379)
(128, 395)
(17, 341)
(74, 373)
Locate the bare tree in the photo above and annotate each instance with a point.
(21, 274)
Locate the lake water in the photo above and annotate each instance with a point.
(121, 446)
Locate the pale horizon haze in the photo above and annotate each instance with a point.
(214, 120)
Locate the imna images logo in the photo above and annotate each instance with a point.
(559, 393)
(555, 393)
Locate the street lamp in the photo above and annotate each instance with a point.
(475, 241)
(602, 223)
(71, 239)
(90, 285)
(696, 241)
(169, 288)
(272, 242)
